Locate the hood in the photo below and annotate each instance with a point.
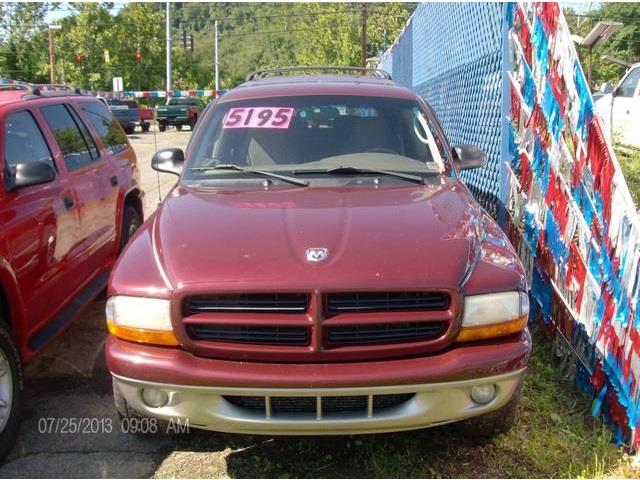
(408, 236)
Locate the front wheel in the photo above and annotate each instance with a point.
(131, 221)
(179, 127)
(162, 127)
(192, 123)
(146, 127)
(10, 390)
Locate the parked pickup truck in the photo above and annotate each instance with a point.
(126, 112)
(146, 117)
(319, 269)
(69, 201)
(620, 108)
(179, 111)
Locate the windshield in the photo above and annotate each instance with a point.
(308, 134)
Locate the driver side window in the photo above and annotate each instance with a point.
(628, 87)
(23, 141)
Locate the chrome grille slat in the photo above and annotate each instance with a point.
(367, 334)
(276, 335)
(385, 302)
(247, 302)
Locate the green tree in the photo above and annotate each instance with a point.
(139, 27)
(331, 39)
(334, 39)
(85, 35)
(624, 44)
(24, 52)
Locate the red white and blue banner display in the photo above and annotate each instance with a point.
(571, 214)
(124, 94)
(560, 192)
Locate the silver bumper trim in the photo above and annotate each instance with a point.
(433, 404)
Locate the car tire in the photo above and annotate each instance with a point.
(11, 386)
(162, 127)
(494, 423)
(179, 127)
(131, 221)
(129, 130)
(192, 123)
(146, 127)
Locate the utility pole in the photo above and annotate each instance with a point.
(168, 33)
(384, 39)
(215, 63)
(52, 57)
(363, 35)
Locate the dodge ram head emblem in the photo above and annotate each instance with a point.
(317, 254)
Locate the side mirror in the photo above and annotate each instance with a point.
(467, 157)
(168, 160)
(29, 173)
(606, 88)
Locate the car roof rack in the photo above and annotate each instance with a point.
(13, 87)
(62, 90)
(373, 72)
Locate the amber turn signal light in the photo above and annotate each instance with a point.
(156, 337)
(472, 334)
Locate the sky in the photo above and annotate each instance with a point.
(581, 7)
(62, 9)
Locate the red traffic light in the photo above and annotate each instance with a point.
(138, 56)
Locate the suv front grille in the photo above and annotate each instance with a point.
(317, 326)
(383, 333)
(247, 303)
(325, 405)
(354, 302)
(267, 335)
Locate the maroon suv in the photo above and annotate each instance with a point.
(69, 201)
(319, 269)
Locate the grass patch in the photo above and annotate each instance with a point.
(629, 159)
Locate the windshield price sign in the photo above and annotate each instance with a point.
(258, 117)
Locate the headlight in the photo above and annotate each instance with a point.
(493, 315)
(138, 319)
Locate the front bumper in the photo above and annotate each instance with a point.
(173, 120)
(441, 384)
(128, 123)
(431, 404)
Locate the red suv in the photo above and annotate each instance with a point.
(69, 201)
(320, 268)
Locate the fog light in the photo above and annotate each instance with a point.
(154, 398)
(483, 393)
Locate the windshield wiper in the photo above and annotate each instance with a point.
(345, 169)
(236, 168)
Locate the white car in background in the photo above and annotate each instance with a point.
(620, 109)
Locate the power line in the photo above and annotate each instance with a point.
(602, 18)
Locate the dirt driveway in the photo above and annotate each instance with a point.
(70, 385)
